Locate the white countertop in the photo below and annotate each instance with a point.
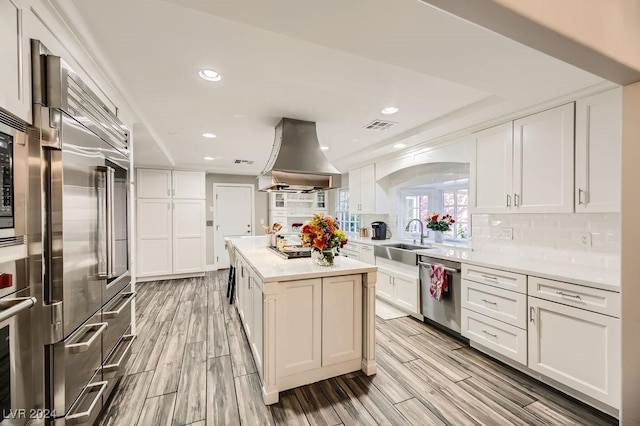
(596, 277)
(273, 268)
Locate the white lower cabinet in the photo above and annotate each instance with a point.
(578, 348)
(498, 336)
(257, 304)
(188, 236)
(342, 323)
(398, 288)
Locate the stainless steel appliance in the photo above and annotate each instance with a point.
(378, 231)
(445, 312)
(86, 281)
(296, 253)
(20, 359)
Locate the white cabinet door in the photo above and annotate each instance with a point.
(578, 348)
(188, 185)
(278, 200)
(341, 319)
(384, 285)
(242, 277)
(406, 292)
(257, 302)
(188, 236)
(494, 169)
(368, 189)
(598, 153)
(299, 325)
(355, 190)
(543, 161)
(14, 51)
(153, 183)
(154, 230)
(367, 254)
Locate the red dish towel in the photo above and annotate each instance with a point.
(439, 281)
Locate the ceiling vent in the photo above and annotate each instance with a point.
(247, 162)
(379, 125)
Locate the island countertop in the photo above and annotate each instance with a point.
(273, 268)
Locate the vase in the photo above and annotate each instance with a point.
(323, 257)
(438, 236)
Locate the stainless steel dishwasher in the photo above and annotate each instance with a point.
(445, 313)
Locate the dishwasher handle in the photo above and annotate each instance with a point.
(452, 270)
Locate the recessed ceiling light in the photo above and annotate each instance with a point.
(324, 148)
(399, 145)
(389, 110)
(209, 135)
(208, 158)
(210, 75)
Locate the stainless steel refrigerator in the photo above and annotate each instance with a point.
(87, 297)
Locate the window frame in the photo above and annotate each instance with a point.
(349, 222)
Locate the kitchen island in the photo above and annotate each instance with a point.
(304, 322)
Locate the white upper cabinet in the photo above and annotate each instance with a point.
(494, 169)
(14, 51)
(188, 185)
(363, 194)
(598, 152)
(153, 183)
(543, 148)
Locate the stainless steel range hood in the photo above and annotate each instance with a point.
(297, 164)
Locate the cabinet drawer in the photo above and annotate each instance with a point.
(495, 277)
(591, 299)
(502, 338)
(497, 303)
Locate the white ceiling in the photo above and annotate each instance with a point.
(335, 62)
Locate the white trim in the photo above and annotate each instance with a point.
(214, 204)
(212, 267)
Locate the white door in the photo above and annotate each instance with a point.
(406, 292)
(188, 185)
(233, 217)
(384, 286)
(578, 348)
(368, 189)
(598, 146)
(494, 169)
(355, 191)
(543, 161)
(14, 72)
(154, 237)
(153, 183)
(188, 236)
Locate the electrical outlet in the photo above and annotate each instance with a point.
(505, 233)
(583, 239)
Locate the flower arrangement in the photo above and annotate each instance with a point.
(323, 234)
(437, 223)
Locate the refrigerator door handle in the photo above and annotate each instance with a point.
(108, 248)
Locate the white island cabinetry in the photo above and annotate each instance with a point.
(304, 322)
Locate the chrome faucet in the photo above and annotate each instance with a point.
(421, 229)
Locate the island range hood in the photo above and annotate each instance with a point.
(297, 164)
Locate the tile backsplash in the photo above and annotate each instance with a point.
(551, 237)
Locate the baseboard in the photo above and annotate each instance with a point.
(212, 267)
(169, 277)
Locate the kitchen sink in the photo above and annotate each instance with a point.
(399, 252)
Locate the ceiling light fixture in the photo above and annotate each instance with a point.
(324, 148)
(209, 135)
(399, 145)
(210, 75)
(208, 158)
(389, 110)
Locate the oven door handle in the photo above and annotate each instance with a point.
(128, 298)
(97, 328)
(13, 306)
(84, 416)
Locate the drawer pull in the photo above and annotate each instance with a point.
(489, 277)
(573, 296)
(110, 368)
(490, 334)
(532, 312)
(97, 329)
(490, 302)
(128, 297)
(84, 416)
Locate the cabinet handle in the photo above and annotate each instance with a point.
(490, 334)
(508, 200)
(580, 192)
(490, 302)
(573, 296)
(532, 312)
(489, 277)
(516, 200)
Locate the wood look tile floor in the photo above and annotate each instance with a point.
(191, 365)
